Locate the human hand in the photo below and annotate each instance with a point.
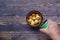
(52, 30)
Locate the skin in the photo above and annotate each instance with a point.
(52, 30)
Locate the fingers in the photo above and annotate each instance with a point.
(52, 23)
(52, 30)
(52, 27)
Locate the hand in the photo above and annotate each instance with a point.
(52, 30)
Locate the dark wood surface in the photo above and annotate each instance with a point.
(13, 13)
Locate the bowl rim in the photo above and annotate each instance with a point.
(37, 12)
